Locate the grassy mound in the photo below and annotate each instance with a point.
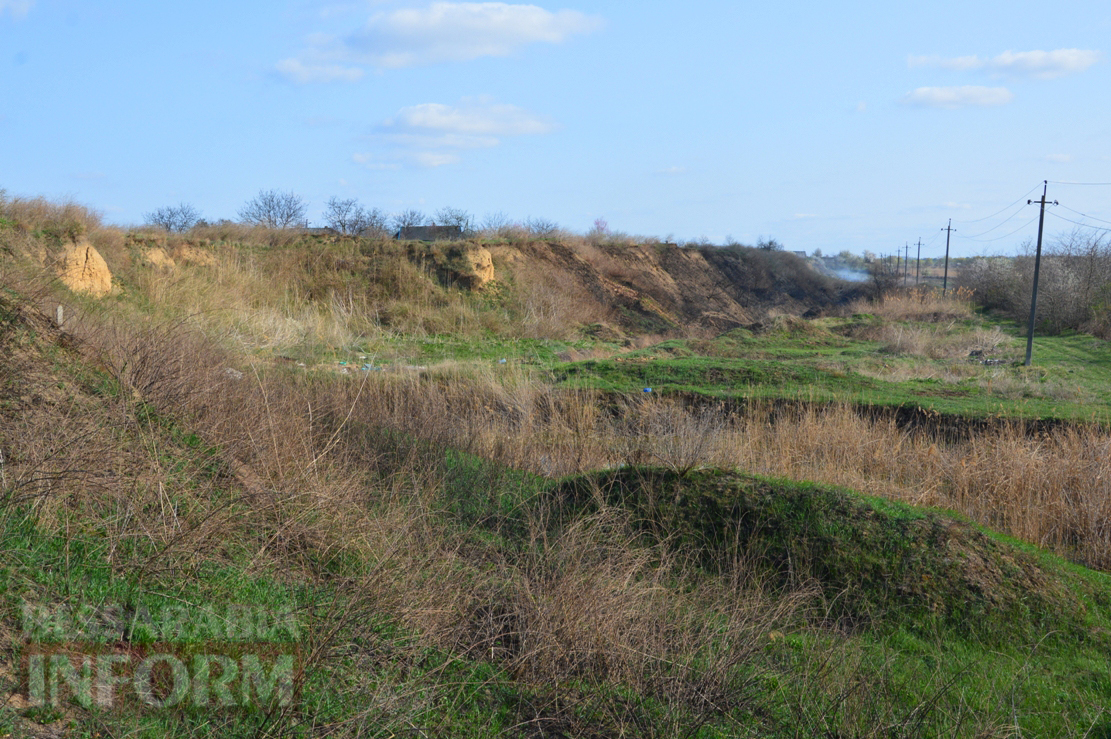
(877, 562)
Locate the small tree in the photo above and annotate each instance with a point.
(351, 219)
(542, 227)
(408, 219)
(768, 244)
(494, 223)
(275, 209)
(455, 217)
(178, 218)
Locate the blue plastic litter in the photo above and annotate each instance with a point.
(501, 361)
(647, 389)
(343, 364)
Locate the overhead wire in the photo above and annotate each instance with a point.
(997, 238)
(993, 215)
(984, 233)
(1078, 223)
(1085, 215)
(1092, 184)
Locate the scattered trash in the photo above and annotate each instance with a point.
(233, 373)
(501, 361)
(343, 371)
(371, 368)
(343, 364)
(647, 389)
(362, 356)
(300, 364)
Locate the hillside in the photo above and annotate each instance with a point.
(290, 485)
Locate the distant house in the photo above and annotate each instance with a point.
(430, 233)
(801, 254)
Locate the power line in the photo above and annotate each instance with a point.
(1078, 223)
(997, 238)
(976, 237)
(1085, 214)
(1094, 184)
(993, 215)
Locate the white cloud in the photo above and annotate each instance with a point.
(441, 32)
(1037, 64)
(298, 71)
(958, 97)
(435, 159)
(434, 134)
(672, 171)
(472, 118)
(862, 107)
(452, 32)
(804, 216)
(16, 8)
(1059, 158)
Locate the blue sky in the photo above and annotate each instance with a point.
(855, 126)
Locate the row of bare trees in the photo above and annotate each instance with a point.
(281, 210)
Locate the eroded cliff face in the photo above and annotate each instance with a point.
(82, 269)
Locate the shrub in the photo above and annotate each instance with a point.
(1074, 286)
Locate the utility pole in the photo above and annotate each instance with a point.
(918, 262)
(906, 263)
(1037, 269)
(945, 282)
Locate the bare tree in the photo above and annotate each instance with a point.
(179, 218)
(352, 219)
(455, 217)
(542, 227)
(408, 219)
(275, 209)
(494, 222)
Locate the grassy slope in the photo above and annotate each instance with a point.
(922, 624)
(823, 362)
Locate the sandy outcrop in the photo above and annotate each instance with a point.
(186, 254)
(83, 270)
(481, 266)
(157, 257)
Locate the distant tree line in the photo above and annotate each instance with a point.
(276, 209)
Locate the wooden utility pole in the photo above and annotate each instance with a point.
(1037, 270)
(945, 282)
(918, 262)
(906, 263)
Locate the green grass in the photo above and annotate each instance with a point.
(824, 363)
(936, 607)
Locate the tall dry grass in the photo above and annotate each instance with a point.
(1053, 490)
(926, 304)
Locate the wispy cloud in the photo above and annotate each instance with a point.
(472, 117)
(303, 72)
(16, 8)
(1059, 158)
(958, 97)
(435, 134)
(441, 32)
(1036, 64)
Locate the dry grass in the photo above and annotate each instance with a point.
(1056, 501)
(918, 304)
